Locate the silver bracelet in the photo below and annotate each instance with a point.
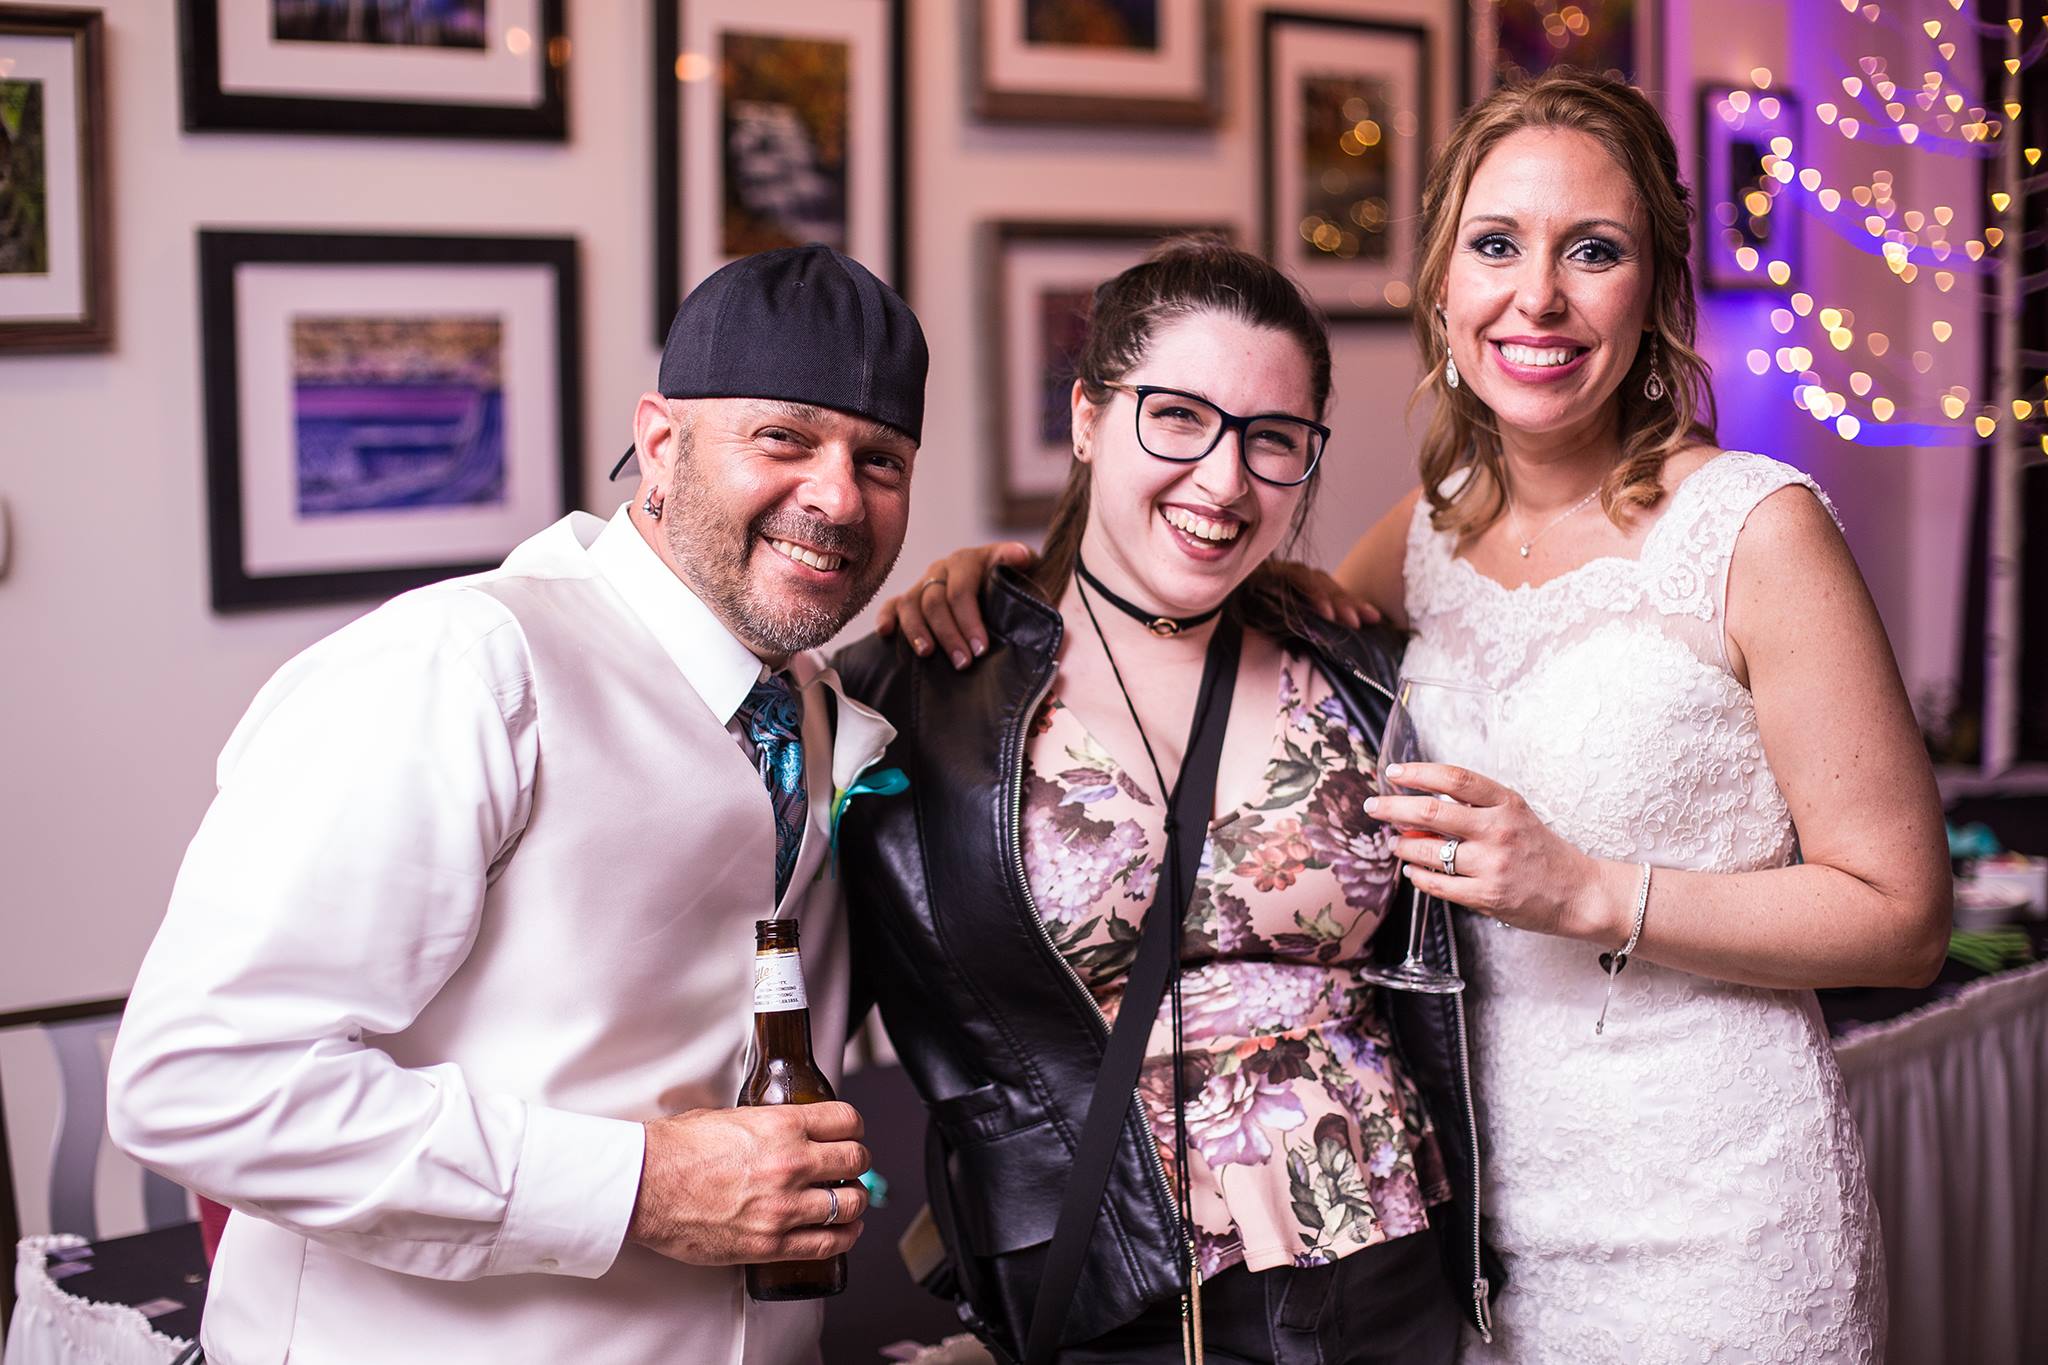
(1612, 963)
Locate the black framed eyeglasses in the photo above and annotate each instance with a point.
(1275, 447)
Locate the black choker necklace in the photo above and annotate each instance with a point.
(1154, 622)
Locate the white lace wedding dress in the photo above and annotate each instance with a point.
(1687, 1187)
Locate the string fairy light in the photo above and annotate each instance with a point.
(1912, 241)
(1783, 171)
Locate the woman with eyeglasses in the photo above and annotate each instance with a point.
(1159, 735)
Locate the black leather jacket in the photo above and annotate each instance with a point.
(999, 1034)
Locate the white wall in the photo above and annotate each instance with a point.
(118, 684)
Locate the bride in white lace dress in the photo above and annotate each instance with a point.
(1694, 689)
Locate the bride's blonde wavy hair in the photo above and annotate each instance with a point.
(1461, 429)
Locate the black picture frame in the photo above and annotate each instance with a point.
(1200, 105)
(210, 108)
(223, 253)
(1021, 496)
(1321, 280)
(90, 325)
(673, 279)
(1480, 72)
(1729, 139)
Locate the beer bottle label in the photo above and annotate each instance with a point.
(778, 983)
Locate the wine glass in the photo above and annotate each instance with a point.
(1432, 720)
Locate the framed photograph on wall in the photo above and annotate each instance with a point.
(1346, 133)
(382, 412)
(1094, 61)
(775, 125)
(428, 68)
(1506, 38)
(1748, 238)
(56, 289)
(1038, 280)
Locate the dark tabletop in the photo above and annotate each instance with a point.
(146, 1269)
(1854, 1006)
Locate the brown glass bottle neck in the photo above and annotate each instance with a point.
(775, 936)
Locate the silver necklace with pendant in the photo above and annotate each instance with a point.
(1530, 543)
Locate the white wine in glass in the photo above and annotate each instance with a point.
(1432, 720)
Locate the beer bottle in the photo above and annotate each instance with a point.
(783, 1072)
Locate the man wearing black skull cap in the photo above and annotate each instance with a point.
(451, 1000)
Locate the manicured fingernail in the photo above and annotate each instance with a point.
(920, 645)
(980, 647)
(1396, 769)
(959, 658)
(1372, 805)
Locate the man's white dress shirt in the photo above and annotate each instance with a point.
(475, 898)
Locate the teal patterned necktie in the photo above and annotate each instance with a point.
(773, 715)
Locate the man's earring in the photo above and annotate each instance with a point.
(652, 508)
(1450, 373)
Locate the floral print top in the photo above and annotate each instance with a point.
(1305, 1139)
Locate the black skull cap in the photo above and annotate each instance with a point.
(800, 324)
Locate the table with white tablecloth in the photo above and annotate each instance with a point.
(1952, 1104)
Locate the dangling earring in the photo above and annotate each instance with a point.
(1450, 373)
(652, 508)
(1653, 383)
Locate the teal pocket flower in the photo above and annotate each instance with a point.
(882, 782)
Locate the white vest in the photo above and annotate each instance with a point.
(617, 948)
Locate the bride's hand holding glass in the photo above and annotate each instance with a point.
(1510, 865)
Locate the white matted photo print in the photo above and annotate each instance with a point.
(429, 68)
(1038, 281)
(1094, 61)
(54, 248)
(1346, 124)
(382, 411)
(775, 125)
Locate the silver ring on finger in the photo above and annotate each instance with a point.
(919, 589)
(833, 1216)
(1448, 856)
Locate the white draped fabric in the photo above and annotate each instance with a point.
(1952, 1103)
(51, 1327)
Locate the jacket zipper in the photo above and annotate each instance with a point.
(1153, 1162)
(1482, 1308)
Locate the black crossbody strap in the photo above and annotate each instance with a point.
(1193, 799)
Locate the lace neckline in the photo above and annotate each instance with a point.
(1643, 556)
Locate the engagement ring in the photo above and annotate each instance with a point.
(1449, 857)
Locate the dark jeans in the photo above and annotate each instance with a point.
(1385, 1305)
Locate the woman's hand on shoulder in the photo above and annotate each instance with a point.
(1325, 596)
(945, 606)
